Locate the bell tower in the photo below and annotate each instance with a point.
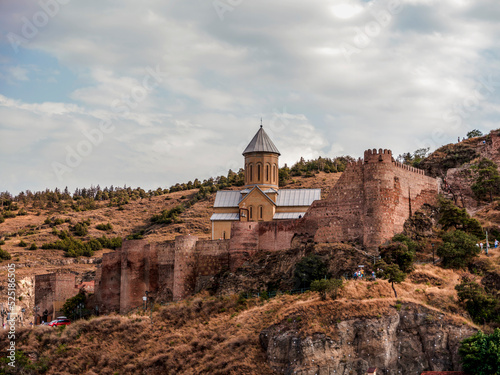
(261, 162)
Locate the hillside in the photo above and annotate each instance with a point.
(255, 334)
(127, 219)
(224, 330)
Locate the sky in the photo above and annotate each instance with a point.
(151, 93)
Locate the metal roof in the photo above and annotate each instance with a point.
(261, 143)
(297, 197)
(227, 216)
(271, 190)
(286, 197)
(288, 215)
(227, 198)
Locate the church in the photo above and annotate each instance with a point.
(261, 199)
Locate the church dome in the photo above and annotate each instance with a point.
(261, 143)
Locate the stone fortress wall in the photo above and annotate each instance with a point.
(368, 205)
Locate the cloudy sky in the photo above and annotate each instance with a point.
(152, 93)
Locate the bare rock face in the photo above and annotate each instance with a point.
(405, 341)
(274, 270)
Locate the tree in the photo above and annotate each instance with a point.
(481, 306)
(481, 353)
(451, 216)
(392, 273)
(487, 183)
(458, 249)
(325, 286)
(310, 268)
(71, 305)
(401, 251)
(474, 133)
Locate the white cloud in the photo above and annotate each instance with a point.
(281, 61)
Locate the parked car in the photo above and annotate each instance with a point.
(61, 321)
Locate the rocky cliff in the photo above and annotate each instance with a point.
(347, 338)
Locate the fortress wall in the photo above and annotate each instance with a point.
(184, 266)
(52, 288)
(136, 273)
(340, 216)
(211, 257)
(166, 259)
(108, 288)
(276, 235)
(388, 187)
(244, 242)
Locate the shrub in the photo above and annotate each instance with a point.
(309, 268)
(458, 249)
(169, 216)
(487, 182)
(481, 306)
(33, 247)
(4, 255)
(481, 353)
(22, 212)
(324, 286)
(452, 216)
(22, 244)
(104, 227)
(2, 219)
(8, 214)
(81, 228)
(136, 236)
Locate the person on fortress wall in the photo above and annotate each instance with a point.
(496, 243)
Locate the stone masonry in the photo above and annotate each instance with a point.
(368, 205)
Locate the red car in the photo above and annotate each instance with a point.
(61, 321)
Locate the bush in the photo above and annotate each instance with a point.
(481, 306)
(487, 182)
(168, 216)
(136, 236)
(2, 219)
(70, 307)
(310, 268)
(22, 212)
(4, 255)
(104, 227)
(481, 353)
(81, 228)
(8, 214)
(33, 247)
(458, 249)
(22, 244)
(452, 216)
(324, 287)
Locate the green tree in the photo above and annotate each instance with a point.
(310, 268)
(458, 249)
(392, 273)
(474, 133)
(481, 306)
(324, 286)
(481, 353)
(401, 251)
(451, 216)
(487, 183)
(70, 307)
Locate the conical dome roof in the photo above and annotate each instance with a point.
(261, 143)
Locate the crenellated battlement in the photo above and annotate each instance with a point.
(409, 168)
(374, 156)
(383, 156)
